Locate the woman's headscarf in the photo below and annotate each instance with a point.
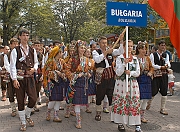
(50, 64)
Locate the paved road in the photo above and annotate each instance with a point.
(157, 122)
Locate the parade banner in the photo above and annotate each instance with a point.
(170, 11)
(126, 14)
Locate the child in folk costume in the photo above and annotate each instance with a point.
(91, 83)
(171, 78)
(53, 82)
(126, 103)
(77, 71)
(145, 78)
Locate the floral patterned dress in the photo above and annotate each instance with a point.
(126, 105)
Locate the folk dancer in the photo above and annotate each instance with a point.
(70, 106)
(38, 74)
(10, 88)
(126, 102)
(103, 58)
(145, 78)
(160, 62)
(78, 74)
(91, 83)
(23, 64)
(53, 82)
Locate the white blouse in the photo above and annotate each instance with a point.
(120, 66)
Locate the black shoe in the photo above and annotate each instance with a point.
(121, 127)
(36, 109)
(32, 112)
(98, 117)
(39, 103)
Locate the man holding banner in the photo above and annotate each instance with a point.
(103, 58)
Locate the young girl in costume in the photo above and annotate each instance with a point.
(171, 78)
(54, 77)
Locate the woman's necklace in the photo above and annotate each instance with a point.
(82, 62)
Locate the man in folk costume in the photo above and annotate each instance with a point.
(23, 64)
(2, 73)
(160, 62)
(38, 74)
(103, 58)
(10, 88)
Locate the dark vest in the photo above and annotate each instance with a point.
(1, 60)
(102, 63)
(28, 62)
(160, 61)
(8, 55)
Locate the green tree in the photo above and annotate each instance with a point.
(10, 18)
(70, 15)
(40, 20)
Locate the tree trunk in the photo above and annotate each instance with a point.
(5, 35)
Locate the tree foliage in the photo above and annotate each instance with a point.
(37, 16)
(10, 18)
(40, 19)
(68, 19)
(70, 15)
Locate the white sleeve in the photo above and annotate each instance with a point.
(118, 51)
(152, 61)
(120, 67)
(43, 63)
(35, 60)
(167, 61)
(13, 58)
(6, 63)
(96, 57)
(137, 72)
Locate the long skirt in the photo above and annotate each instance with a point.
(145, 87)
(126, 105)
(81, 93)
(56, 92)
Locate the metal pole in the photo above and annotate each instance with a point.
(126, 57)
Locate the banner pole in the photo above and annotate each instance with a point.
(127, 57)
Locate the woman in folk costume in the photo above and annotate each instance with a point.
(53, 81)
(77, 71)
(91, 83)
(126, 102)
(69, 107)
(144, 80)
